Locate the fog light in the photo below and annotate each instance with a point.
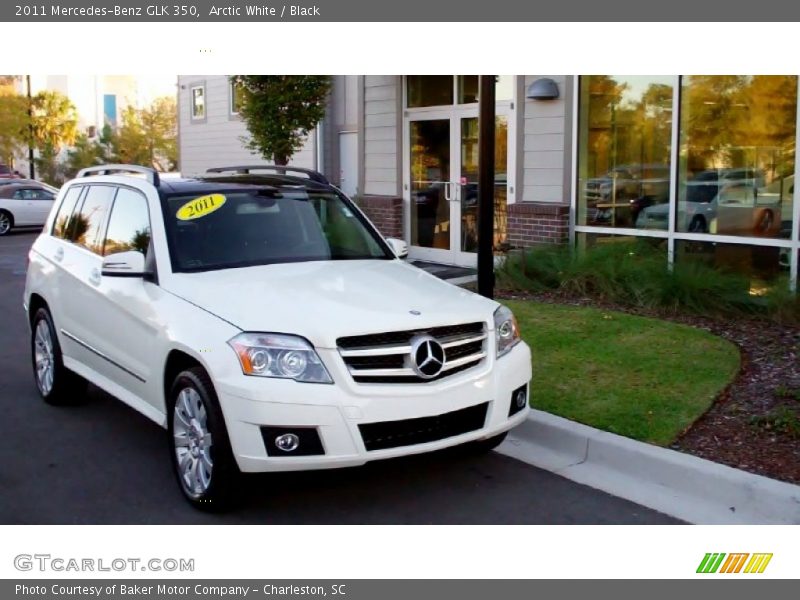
(288, 442)
(519, 400)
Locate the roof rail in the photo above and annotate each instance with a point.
(246, 169)
(152, 174)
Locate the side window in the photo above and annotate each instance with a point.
(64, 216)
(198, 99)
(129, 224)
(88, 226)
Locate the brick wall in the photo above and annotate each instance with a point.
(534, 223)
(386, 213)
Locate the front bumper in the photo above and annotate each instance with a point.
(336, 411)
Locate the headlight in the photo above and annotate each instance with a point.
(506, 331)
(278, 355)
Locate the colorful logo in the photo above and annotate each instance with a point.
(719, 562)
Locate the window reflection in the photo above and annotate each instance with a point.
(429, 90)
(625, 130)
(761, 266)
(737, 155)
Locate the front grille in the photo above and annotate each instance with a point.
(386, 357)
(394, 434)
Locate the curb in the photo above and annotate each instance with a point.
(680, 485)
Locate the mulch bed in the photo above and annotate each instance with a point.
(754, 424)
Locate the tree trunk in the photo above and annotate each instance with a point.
(281, 160)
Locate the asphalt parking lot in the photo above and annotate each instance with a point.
(102, 462)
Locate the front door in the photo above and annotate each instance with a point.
(442, 184)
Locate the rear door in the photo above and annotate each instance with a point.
(39, 201)
(15, 203)
(80, 275)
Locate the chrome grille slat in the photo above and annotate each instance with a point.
(454, 364)
(386, 357)
(404, 372)
(379, 351)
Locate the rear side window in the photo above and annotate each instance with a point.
(88, 223)
(128, 225)
(63, 220)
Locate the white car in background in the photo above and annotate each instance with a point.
(24, 204)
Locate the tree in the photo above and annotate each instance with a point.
(280, 110)
(54, 119)
(85, 152)
(147, 136)
(54, 124)
(13, 118)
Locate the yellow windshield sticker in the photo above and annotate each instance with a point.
(200, 207)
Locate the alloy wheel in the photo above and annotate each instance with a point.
(44, 357)
(192, 441)
(5, 223)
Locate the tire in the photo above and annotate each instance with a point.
(57, 385)
(487, 445)
(6, 222)
(698, 225)
(202, 459)
(765, 222)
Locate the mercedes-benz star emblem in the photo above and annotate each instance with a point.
(427, 356)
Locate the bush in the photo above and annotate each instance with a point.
(635, 274)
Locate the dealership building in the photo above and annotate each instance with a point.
(701, 167)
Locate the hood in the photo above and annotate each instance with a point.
(323, 301)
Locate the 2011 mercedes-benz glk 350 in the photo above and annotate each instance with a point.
(264, 322)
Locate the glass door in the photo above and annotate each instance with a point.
(467, 188)
(431, 188)
(443, 184)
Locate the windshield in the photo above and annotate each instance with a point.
(247, 227)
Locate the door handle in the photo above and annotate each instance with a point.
(94, 276)
(59, 255)
(448, 191)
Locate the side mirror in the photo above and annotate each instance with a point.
(124, 264)
(399, 247)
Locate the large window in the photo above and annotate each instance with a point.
(712, 176)
(443, 90)
(737, 155)
(625, 145)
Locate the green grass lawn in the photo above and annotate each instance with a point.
(642, 378)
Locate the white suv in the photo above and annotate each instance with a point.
(265, 323)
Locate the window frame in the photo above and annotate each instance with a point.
(671, 234)
(111, 212)
(233, 114)
(198, 85)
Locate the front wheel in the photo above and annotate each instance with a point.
(201, 452)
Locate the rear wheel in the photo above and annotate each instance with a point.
(6, 222)
(204, 464)
(57, 385)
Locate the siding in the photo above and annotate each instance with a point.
(215, 142)
(546, 145)
(381, 135)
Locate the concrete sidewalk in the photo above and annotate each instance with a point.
(680, 485)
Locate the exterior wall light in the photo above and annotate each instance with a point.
(542, 89)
